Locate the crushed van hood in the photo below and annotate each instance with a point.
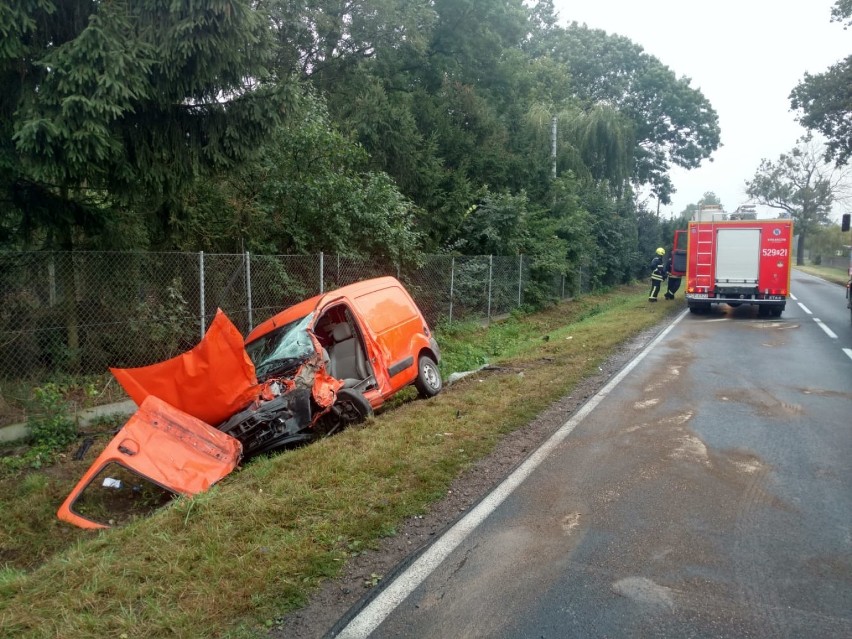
(212, 381)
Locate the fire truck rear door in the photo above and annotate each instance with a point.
(737, 256)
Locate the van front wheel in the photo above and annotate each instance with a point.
(428, 382)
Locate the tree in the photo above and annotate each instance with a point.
(308, 190)
(673, 122)
(824, 101)
(802, 185)
(327, 41)
(827, 241)
(115, 102)
(842, 12)
(112, 101)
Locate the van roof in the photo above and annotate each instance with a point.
(301, 309)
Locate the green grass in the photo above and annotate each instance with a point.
(230, 560)
(830, 273)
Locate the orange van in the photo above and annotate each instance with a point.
(369, 338)
(310, 370)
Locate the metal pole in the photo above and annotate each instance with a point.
(201, 289)
(490, 271)
(51, 279)
(553, 121)
(520, 277)
(248, 290)
(338, 269)
(322, 265)
(452, 282)
(563, 286)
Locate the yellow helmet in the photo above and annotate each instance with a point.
(661, 251)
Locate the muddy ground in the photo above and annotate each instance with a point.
(336, 597)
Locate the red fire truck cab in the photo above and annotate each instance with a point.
(734, 262)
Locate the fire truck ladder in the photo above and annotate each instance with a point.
(704, 257)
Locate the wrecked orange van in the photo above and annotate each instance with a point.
(311, 369)
(340, 356)
(308, 371)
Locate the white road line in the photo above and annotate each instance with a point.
(395, 593)
(794, 298)
(827, 330)
(805, 308)
(848, 351)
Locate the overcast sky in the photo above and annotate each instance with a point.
(745, 56)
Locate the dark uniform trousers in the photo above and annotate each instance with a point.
(658, 271)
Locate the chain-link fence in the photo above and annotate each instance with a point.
(84, 312)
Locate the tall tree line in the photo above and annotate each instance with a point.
(370, 127)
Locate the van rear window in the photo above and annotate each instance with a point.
(385, 308)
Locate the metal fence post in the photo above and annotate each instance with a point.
(563, 287)
(201, 290)
(51, 279)
(490, 272)
(579, 280)
(248, 291)
(520, 277)
(452, 282)
(321, 273)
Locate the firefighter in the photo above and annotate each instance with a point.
(672, 281)
(658, 274)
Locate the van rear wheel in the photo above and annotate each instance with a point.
(428, 382)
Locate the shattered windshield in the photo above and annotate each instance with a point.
(282, 349)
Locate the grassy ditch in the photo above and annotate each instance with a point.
(229, 561)
(829, 273)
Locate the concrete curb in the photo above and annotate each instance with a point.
(15, 432)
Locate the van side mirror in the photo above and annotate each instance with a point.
(844, 222)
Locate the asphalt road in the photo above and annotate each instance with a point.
(708, 493)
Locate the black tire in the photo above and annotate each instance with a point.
(350, 407)
(428, 382)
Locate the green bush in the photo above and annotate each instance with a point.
(51, 426)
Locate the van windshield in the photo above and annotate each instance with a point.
(282, 349)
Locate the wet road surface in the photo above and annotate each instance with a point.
(709, 494)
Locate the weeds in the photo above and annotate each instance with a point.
(51, 429)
